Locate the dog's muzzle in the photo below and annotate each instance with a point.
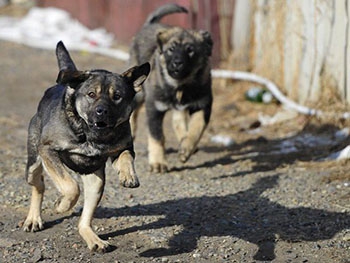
(178, 67)
(101, 118)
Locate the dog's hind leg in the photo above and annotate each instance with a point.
(34, 177)
(34, 174)
(126, 170)
(93, 190)
(64, 182)
(196, 127)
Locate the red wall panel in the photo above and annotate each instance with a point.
(125, 18)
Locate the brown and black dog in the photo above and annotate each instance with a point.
(80, 123)
(180, 81)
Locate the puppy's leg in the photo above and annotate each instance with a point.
(133, 122)
(156, 151)
(64, 182)
(35, 178)
(126, 170)
(196, 127)
(179, 121)
(93, 190)
(156, 155)
(137, 104)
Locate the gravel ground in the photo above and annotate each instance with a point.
(266, 198)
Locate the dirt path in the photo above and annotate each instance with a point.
(266, 198)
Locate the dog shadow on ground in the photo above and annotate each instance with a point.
(246, 215)
(311, 144)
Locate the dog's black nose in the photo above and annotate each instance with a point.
(177, 63)
(101, 110)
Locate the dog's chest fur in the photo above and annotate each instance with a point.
(166, 97)
(169, 93)
(86, 157)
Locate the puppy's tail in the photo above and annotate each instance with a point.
(164, 10)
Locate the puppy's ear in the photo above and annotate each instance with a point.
(137, 75)
(207, 40)
(162, 38)
(64, 60)
(72, 77)
(165, 34)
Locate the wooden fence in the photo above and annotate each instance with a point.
(300, 45)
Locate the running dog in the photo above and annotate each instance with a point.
(80, 123)
(180, 81)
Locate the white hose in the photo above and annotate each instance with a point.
(239, 75)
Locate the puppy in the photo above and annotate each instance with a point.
(80, 123)
(180, 81)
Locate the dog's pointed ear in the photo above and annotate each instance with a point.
(137, 75)
(72, 77)
(207, 40)
(64, 60)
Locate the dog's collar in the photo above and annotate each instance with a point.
(179, 95)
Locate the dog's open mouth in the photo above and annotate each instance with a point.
(176, 74)
(100, 125)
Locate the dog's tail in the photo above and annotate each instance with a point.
(164, 10)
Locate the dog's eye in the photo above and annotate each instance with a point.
(171, 50)
(92, 95)
(117, 96)
(190, 50)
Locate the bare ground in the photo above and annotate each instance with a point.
(266, 198)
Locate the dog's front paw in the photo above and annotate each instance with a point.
(158, 167)
(33, 224)
(186, 150)
(93, 241)
(129, 181)
(184, 155)
(100, 246)
(64, 204)
(128, 177)
(126, 170)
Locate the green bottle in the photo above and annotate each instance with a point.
(258, 94)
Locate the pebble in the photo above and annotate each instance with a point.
(7, 242)
(36, 255)
(196, 255)
(317, 246)
(223, 140)
(346, 237)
